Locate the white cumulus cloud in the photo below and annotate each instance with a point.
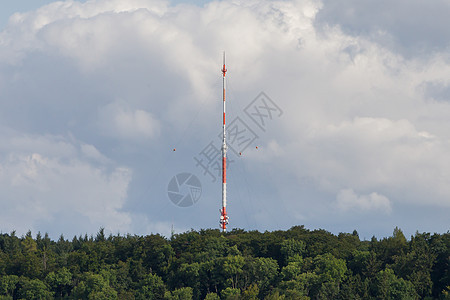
(348, 200)
(120, 121)
(364, 106)
(42, 183)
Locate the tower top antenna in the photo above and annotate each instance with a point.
(224, 69)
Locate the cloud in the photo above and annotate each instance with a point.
(91, 152)
(376, 154)
(391, 24)
(118, 120)
(438, 91)
(46, 178)
(94, 92)
(348, 200)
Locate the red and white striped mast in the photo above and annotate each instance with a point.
(223, 211)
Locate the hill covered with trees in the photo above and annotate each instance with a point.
(294, 264)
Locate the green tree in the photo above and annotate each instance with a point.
(262, 271)
(8, 285)
(237, 264)
(28, 262)
(354, 287)
(440, 274)
(389, 286)
(393, 247)
(251, 292)
(212, 296)
(364, 263)
(189, 275)
(231, 294)
(300, 287)
(151, 287)
(275, 295)
(291, 248)
(233, 269)
(94, 286)
(122, 281)
(43, 248)
(417, 264)
(60, 282)
(295, 267)
(184, 293)
(33, 289)
(331, 272)
(446, 293)
(156, 253)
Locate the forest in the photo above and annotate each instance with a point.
(293, 264)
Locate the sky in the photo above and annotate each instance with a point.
(338, 115)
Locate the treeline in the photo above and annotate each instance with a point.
(206, 264)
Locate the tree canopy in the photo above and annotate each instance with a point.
(294, 264)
